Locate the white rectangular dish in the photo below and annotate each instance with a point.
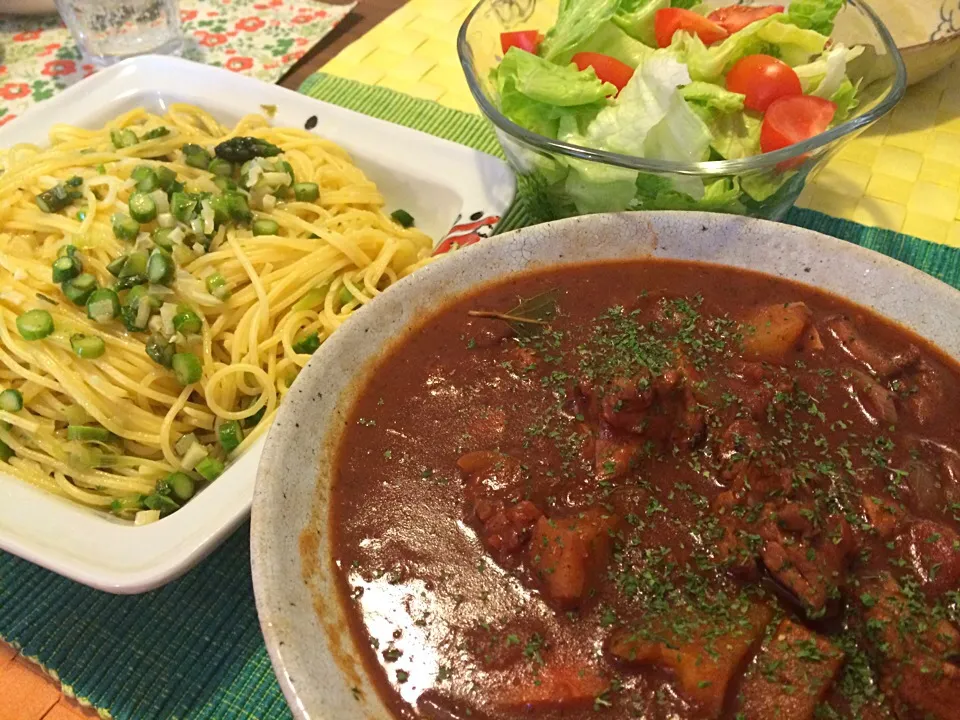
(451, 190)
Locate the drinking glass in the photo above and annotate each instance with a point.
(108, 31)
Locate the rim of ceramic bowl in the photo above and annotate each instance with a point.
(305, 658)
(711, 167)
(945, 40)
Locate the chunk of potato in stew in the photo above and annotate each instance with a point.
(658, 490)
(703, 653)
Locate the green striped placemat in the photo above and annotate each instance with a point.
(193, 649)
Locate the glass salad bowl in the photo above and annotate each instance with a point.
(569, 177)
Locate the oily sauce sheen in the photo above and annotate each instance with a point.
(696, 492)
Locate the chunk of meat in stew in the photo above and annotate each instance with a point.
(933, 478)
(924, 690)
(805, 549)
(932, 550)
(875, 400)
(884, 514)
(615, 453)
(631, 412)
(923, 491)
(754, 384)
(877, 360)
(922, 389)
(914, 650)
(807, 560)
(915, 381)
(736, 549)
(739, 443)
(496, 487)
(740, 511)
(790, 675)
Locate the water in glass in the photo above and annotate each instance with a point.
(108, 31)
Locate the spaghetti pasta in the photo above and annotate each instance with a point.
(162, 281)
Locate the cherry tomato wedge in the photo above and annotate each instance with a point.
(608, 69)
(762, 79)
(794, 119)
(528, 40)
(737, 17)
(669, 21)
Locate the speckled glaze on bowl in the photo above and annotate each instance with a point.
(303, 623)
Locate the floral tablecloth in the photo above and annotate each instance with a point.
(262, 38)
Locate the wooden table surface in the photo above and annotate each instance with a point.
(26, 692)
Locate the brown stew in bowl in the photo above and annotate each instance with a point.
(659, 490)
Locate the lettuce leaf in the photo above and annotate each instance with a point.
(845, 98)
(577, 20)
(680, 136)
(646, 101)
(735, 135)
(635, 17)
(597, 187)
(722, 195)
(536, 94)
(734, 131)
(650, 119)
(655, 192)
(561, 85)
(610, 40)
(793, 45)
(594, 187)
(770, 35)
(817, 15)
(822, 77)
(712, 97)
(764, 185)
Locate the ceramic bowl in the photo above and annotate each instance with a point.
(926, 31)
(305, 628)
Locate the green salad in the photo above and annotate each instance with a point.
(670, 80)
